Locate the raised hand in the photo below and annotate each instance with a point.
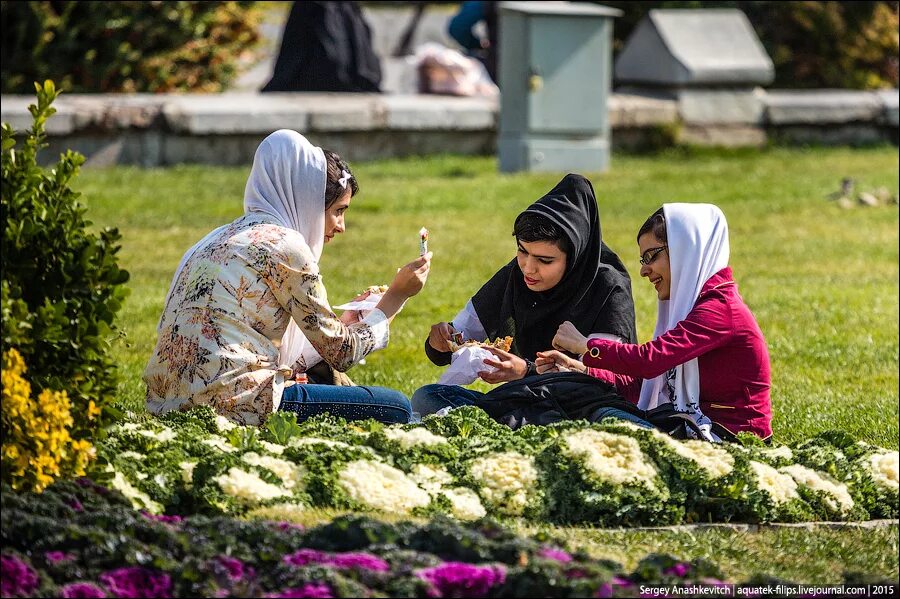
(569, 339)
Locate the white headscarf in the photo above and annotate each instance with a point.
(287, 182)
(698, 249)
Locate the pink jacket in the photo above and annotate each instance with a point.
(721, 332)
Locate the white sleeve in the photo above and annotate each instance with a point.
(380, 326)
(606, 336)
(468, 323)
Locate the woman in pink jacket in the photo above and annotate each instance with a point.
(708, 356)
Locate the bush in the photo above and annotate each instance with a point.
(61, 285)
(851, 45)
(126, 46)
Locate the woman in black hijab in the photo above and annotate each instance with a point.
(562, 271)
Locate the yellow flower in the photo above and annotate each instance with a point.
(38, 447)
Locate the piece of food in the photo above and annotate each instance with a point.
(423, 241)
(503, 343)
(379, 289)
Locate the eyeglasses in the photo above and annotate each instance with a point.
(650, 255)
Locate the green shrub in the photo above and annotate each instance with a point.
(851, 45)
(61, 284)
(126, 46)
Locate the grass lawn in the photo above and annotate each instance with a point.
(822, 281)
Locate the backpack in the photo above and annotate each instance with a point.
(553, 397)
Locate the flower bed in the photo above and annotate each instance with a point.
(466, 465)
(83, 540)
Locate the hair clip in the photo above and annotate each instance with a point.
(345, 177)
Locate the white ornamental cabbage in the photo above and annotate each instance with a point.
(838, 496)
(224, 424)
(617, 459)
(507, 480)
(382, 487)
(138, 499)
(465, 503)
(415, 437)
(187, 473)
(291, 474)
(883, 468)
(715, 461)
(431, 478)
(219, 443)
(272, 447)
(780, 452)
(248, 486)
(780, 487)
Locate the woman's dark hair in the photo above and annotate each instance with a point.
(530, 227)
(656, 224)
(333, 189)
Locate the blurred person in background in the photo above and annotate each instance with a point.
(326, 46)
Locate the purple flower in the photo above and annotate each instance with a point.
(555, 554)
(162, 518)
(78, 590)
(135, 581)
(361, 561)
(310, 589)
(75, 505)
(605, 590)
(286, 526)
(54, 557)
(457, 579)
(235, 568)
(680, 570)
(576, 573)
(303, 557)
(16, 577)
(341, 561)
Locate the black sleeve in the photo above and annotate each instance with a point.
(438, 358)
(617, 316)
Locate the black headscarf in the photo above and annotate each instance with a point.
(594, 293)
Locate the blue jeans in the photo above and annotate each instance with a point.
(352, 403)
(431, 398)
(601, 413)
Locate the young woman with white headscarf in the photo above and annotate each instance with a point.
(708, 356)
(247, 309)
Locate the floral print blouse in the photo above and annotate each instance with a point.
(221, 328)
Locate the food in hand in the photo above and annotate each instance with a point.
(376, 289)
(503, 343)
(423, 241)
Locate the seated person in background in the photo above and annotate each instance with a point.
(248, 299)
(562, 271)
(708, 356)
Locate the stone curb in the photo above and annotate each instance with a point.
(866, 525)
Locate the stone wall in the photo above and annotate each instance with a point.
(156, 130)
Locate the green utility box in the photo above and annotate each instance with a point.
(555, 71)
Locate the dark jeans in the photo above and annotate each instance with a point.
(353, 403)
(431, 398)
(602, 413)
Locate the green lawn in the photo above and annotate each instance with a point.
(822, 281)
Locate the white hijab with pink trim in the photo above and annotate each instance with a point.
(698, 248)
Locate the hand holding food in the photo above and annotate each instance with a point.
(441, 336)
(509, 367)
(555, 361)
